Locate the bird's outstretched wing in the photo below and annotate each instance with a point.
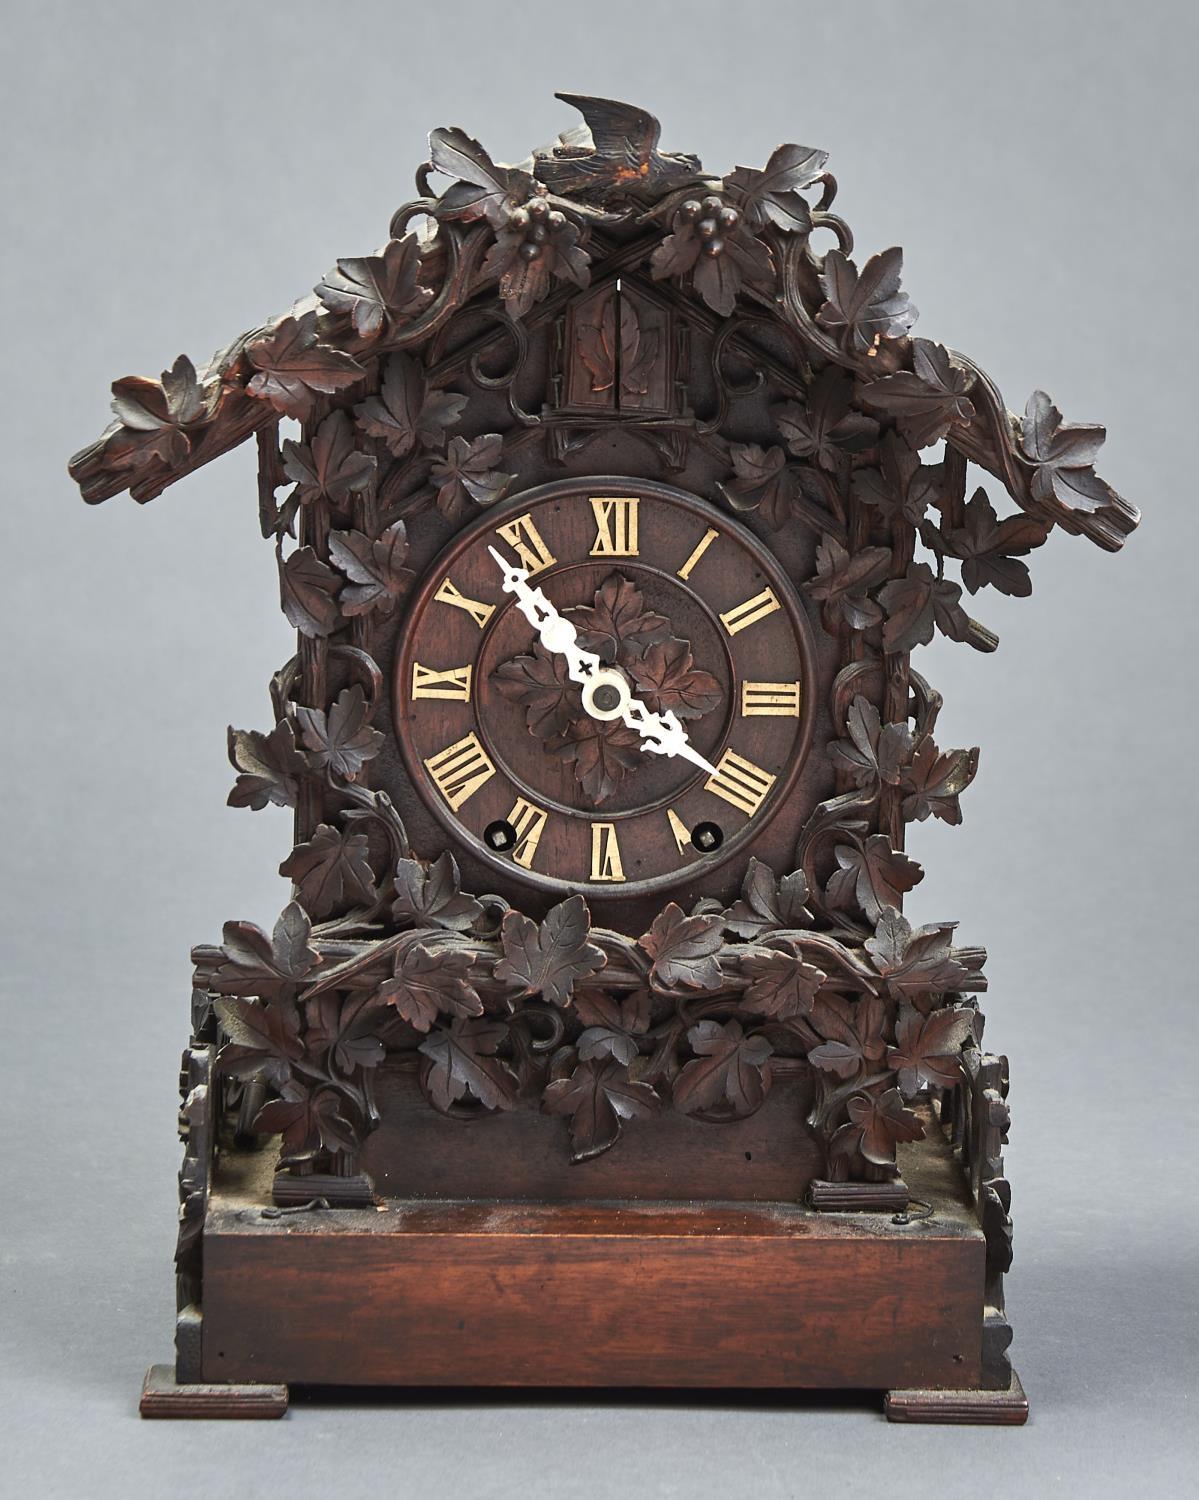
(623, 152)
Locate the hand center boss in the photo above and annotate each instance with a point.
(606, 692)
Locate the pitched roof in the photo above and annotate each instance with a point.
(605, 194)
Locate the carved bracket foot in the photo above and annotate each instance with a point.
(162, 1396)
(1007, 1408)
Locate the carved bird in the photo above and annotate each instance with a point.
(616, 154)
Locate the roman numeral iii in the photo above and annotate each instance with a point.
(524, 538)
(453, 683)
(460, 770)
(529, 820)
(776, 700)
(750, 612)
(479, 613)
(740, 782)
(615, 527)
(605, 853)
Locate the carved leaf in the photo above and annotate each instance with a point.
(915, 963)
(343, 742)
(175, 401)
(598, 342)
(463, 1059)
(853, 1034)
(262, 1038)
(718, 279)
(307, 591)
(405, 412)
(597, 1096)
(428, 982)
(935, 779)
(731, 1068)
(900, 486)
(330, 468)
(1064, 454)
(254, 964)
(668, 680)
(347, 1029)
(618, 627)
(771, 196)
(549, 958)
(928, 1048)
(918, 603)
(607, 1041)
(683, 950)
(485, 189)
(469, 473)
(990, 549)
(876, 1123)
(374, 289)
(762, 481)
(541, 684)
(781, 984)
(865, 306)
(767, 903)
(331, 870)
(292, 364)
(842, 579)
(874, 875)
(927, 400)
(677, 253)
(429, 895)
(268, 765)
(873, 752)
(375, 569)
(524, 282)
(600, 754)
(308, 1119)
(827, 428)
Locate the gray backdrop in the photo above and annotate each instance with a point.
(172, 174)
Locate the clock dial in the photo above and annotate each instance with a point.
(604, 687)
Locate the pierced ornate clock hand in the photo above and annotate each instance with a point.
(606, 692)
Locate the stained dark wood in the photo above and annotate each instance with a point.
(608, 319)
(1006, 1408)
(162, 1396)
(651, 1294)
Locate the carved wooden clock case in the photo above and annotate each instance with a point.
(592, 1047)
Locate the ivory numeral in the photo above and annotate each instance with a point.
(777, 700)
(705, 542)
(682, 834)
(750, 612)
(524, 538)
(479, 613)
(605, 853)
(529, 820)
(428, 682)
(460, 770)
(615, 526)
(740, 782)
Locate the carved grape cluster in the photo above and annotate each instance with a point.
(714, 220)
(538, 223)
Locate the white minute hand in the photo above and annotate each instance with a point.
(606, 693)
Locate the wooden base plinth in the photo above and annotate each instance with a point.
(985, 1408)
(163, 1397)
(750, 1295)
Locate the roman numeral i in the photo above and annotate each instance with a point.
(615, 526)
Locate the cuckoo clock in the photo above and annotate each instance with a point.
(610, 499)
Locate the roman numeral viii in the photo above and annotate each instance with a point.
(454, 682)
(750, 612)
(524, 538)
(460, 770)
(615, 526)
(740, 782)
